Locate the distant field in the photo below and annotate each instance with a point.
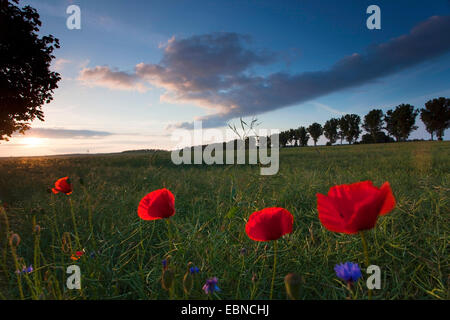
(411, 244)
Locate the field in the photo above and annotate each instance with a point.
(123, 254)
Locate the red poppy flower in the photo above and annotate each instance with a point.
(63, 185)
(269, 224)
(350, 208)
(157, 204)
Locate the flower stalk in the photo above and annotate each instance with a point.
(275, 249)
(366, 256)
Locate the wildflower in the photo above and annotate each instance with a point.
(269, 224)
(77, 255)
(194, 270)
(354, 207)
(157, 204)
(25, 269)
(164, 264)
(28, 270)
(63, 185)
(349, 272)
(211, 286)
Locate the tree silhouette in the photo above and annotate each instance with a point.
(436, 116)
(373, 123)
(330, 130)
(26, 82)
(400, 121)
(283, 138)
(292, 137)
(343, 128)
(315, 130)
(381, 137)
(303, 136)
(350, 127)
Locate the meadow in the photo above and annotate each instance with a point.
(123, 254)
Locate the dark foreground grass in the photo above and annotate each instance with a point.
(212, 204)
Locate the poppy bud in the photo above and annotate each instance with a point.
(167, 279)
(14, 241)
(293, 281)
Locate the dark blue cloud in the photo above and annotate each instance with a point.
(215, 71)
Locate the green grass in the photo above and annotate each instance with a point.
(410, 244)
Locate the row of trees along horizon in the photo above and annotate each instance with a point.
(394, 125)
(379, 127)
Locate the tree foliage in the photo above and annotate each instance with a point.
(330, 130)
(436, 116)
(350, 127)
(373, 123)
(400, 121)
(343, 128)
(315, 130)
(26, 82)
(303, 136)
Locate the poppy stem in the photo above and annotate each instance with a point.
(74, 223)
(91, 226)
(239, 278)
(169, 233)
(366, 255)
(275, 249)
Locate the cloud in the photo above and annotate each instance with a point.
(103, 76)
(58, 65)
(329, 109)
(216, 71)
(57, 133)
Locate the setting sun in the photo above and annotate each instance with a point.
(33, 142)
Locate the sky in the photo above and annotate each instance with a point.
(138, 71)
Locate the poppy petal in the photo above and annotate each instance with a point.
(157, 204)
(63, 185)
(388, 199)
(328, 215)
(351, 208)
(366, 214)
(269, 224)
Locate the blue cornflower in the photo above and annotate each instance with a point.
(349, 271)
(164, 263)
(194, 270)
(211, 286)
(25, 269)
